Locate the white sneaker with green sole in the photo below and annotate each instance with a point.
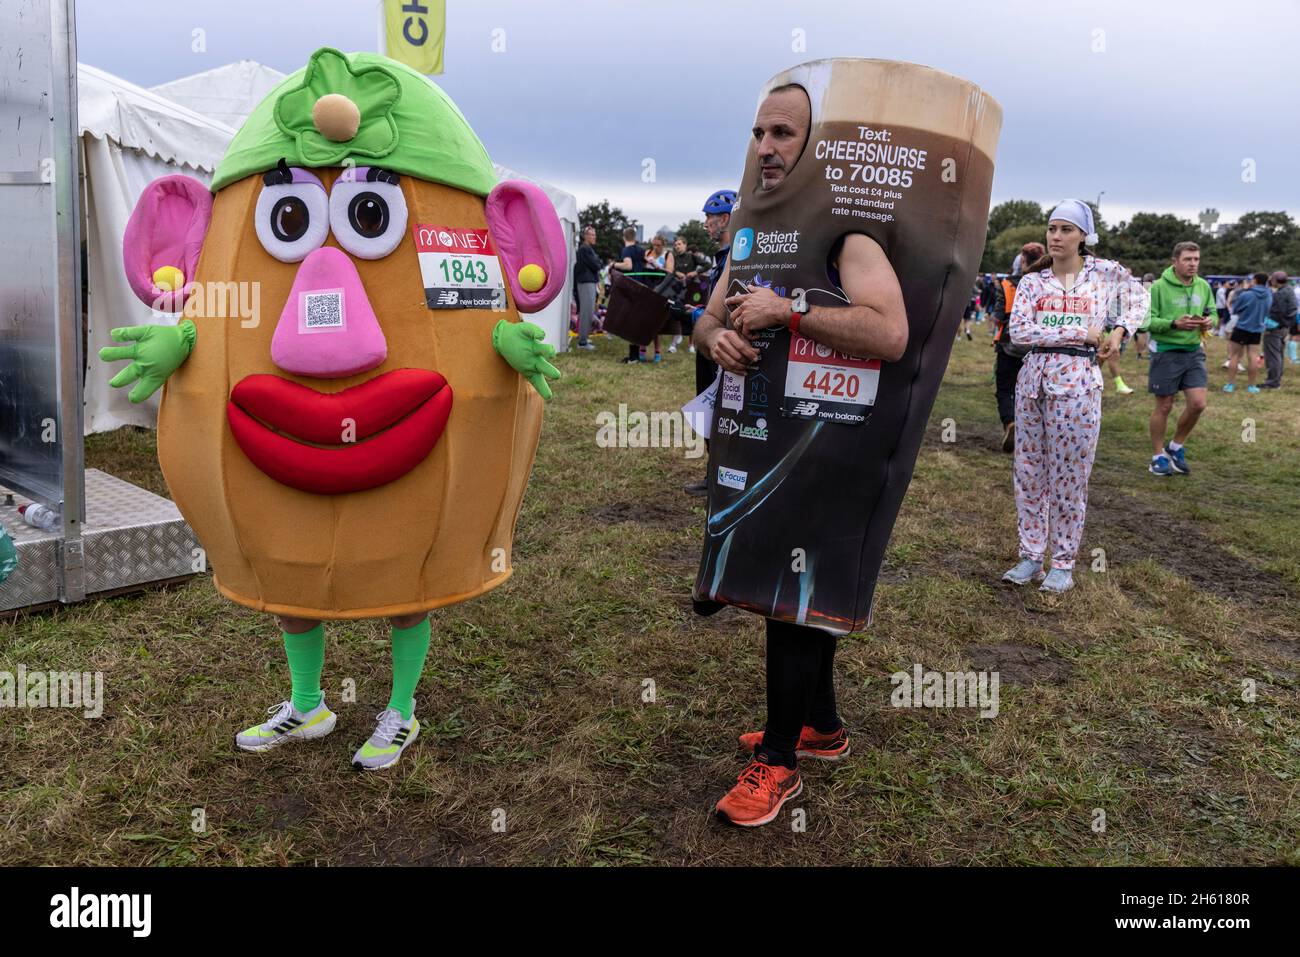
(287, 724)
(391, 737)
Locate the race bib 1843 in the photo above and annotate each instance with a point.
(459, 267)
(822, 383)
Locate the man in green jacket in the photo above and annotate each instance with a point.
(1182, 308)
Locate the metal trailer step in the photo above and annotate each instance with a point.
(131, 538)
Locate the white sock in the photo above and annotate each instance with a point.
(1175, 446)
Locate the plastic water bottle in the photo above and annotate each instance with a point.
(40, 516)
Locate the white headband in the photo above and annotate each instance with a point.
(1080, 214)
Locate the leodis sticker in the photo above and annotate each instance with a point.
(459, 267)
(822, 383)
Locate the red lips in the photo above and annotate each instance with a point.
(375, 432)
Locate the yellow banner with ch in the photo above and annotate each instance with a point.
(414, 32)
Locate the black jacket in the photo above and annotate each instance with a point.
(586, 266)
(1283, 309)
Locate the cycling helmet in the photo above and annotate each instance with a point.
(720, 202)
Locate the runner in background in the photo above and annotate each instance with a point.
(1250, 306)
(1009, 357)
(1112, 366)
(1062, 306)
(1180, 319)
(972, 310)
(1221, 304)
(1293, 344)
(1281, 319)
(631, 259)
(717, 221)
(1141, 341)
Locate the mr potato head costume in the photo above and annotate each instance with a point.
(362, 449)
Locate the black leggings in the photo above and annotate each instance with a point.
(1007, 369)
(800, 685)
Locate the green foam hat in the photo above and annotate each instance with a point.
(398, 119)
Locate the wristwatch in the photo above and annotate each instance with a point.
(798, 309)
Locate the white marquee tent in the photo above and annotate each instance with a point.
(129, 137)
(226, 93)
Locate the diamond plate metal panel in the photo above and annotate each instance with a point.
(131, 537)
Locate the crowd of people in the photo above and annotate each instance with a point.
(678, 271)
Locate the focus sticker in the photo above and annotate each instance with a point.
(822, 383)
(459, 267)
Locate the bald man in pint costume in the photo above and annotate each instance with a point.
(853, 230)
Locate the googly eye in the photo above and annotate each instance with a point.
(368, 213)
(292, 219)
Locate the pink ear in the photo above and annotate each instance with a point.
(527, 232)
(166, 228)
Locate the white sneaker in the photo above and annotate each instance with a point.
(287, 724)
(1058, 581)
(391, 737)
(1027, 571)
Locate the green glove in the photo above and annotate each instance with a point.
(521, 345)
(156, 352)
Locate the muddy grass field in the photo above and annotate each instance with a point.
(1128, 697)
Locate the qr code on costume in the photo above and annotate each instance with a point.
(324, 310)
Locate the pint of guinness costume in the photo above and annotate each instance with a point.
(811, 453)
(812, 449)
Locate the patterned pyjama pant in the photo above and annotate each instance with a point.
(1056, 441)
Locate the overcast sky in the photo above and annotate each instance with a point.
(1161, 117)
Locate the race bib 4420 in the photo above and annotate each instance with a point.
(823, 383)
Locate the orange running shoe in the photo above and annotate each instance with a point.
(812, 743)
(760, 793)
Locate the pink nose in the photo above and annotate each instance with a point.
(327, 329)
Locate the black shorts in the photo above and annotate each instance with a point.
(1172, 372)
(1242, 338)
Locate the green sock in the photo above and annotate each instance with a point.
(306, 653)
(410, 645)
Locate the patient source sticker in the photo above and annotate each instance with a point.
(459, 267)
(821, 383)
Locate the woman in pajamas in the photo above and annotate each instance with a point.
(1073, 311)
